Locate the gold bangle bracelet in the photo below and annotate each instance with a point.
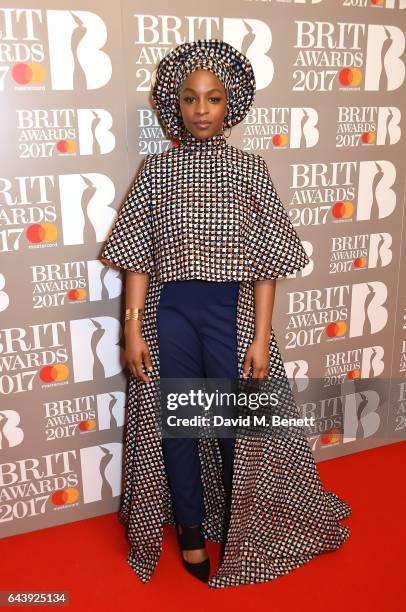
(134, 317)
(134, 313)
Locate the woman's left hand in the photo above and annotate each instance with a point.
(258, 356)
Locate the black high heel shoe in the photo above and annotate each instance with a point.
(192, 538)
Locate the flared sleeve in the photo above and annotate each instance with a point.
(130, 243)
(273, 246)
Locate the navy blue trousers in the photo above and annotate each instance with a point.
(197, 338)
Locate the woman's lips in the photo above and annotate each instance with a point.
(202, 125)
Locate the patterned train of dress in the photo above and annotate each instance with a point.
(208, 210)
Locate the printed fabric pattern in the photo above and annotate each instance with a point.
(233, 69)
(208, 210)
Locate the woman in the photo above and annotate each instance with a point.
(203, 235)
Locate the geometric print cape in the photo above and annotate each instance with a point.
(206, 209)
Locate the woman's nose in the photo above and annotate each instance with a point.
(201, 107)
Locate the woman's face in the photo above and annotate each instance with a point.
(203, 103)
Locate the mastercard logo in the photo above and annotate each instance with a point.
(41, 232)
(342, 210)
(66, 146)
(330, 437)
(87, 425)
(77, 294)
(360, 262)
(350, 77)
(336, 330)
(353, 374)
(54, 373)
(368, 137)
(280, 140)
(377, 2)
(65, 496)
(32, 74)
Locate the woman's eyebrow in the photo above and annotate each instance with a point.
(209, 91)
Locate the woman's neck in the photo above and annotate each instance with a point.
(213, 144)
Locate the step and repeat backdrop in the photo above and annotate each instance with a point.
(77, 120)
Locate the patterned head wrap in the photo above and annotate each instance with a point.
(227, 63)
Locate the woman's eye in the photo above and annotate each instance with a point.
(191, 98)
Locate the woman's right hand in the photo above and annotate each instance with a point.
(136, 351)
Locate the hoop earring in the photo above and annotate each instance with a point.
(228, 134)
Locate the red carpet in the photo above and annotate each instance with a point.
(88, 558)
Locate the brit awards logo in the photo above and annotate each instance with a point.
(66, 417)
(66, 132)
(332, 313)
(359, 362)
(281, 128)
(52, 354)
(59, 49)
(348, 417)
(360, 252)
(32, 219)
(36, 485)
(73, 282)
(373, 4)
(342, 192)
(348, 56)
(367, 126)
